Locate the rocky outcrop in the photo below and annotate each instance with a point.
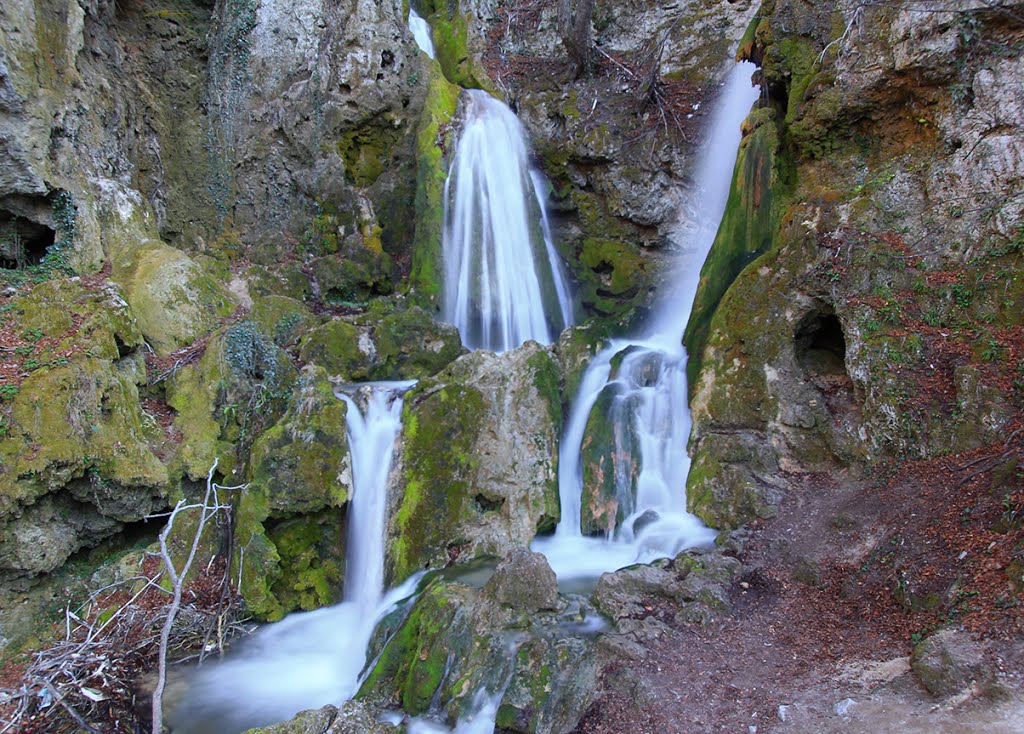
(351, 717)
(488, 481)
(850, 303)
(458, 643)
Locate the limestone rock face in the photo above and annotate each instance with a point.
(844, 276)
(478, 458)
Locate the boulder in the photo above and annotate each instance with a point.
(524, 581)
(949, 662)
(475, 481)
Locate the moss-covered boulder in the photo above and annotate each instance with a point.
(341, 348)
(283, 319)
(457, 645)
(487, 482)
(174, 299)
(288, 518)
(410, 344)
(524, 580)
(729, 481)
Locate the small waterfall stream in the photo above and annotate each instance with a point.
(644, 384)
(504, 281)
(311, 659)
(421, 32)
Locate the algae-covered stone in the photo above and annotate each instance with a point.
(410, 345)
(486, 482)
(174, 300)
(524, 580)
(299, 467)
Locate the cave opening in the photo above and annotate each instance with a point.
(23, 242)
(820, 343)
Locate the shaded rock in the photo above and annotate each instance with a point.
(524, 581)
(487, 483)
(949, 662)
(175, 301)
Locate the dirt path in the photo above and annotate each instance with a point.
(836, 591)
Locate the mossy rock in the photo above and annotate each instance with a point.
(174, 300)
(726, 487)
(413, 665)
(411, 344)
(600, 511)
(354, 277)
(487, 483)
(747, 229)
(284, 319)
(300, 466)
(438, 111)
(342, 349)
(79, 430)
(286, 280)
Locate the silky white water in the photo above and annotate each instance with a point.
(421, 32)
(504, 283)
(648, 391)
(312, 659)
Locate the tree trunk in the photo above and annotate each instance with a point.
(574, 24)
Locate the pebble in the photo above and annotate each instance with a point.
(842, 707)
(783, 712)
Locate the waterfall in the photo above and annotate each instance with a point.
(421, 32)
(639, 385)
(504, 281)
(311, 659)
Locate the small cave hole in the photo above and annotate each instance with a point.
(22, 241)
(486, 504)
(820, 344)
(386, 58)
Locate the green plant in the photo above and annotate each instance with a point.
(33, 335)
(992, 352)
(8, 391)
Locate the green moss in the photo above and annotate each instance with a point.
(438, 110)
(437, 481)
(600, 512)
(747, 229)
(368, 149)
(413, 664)
(335, 347)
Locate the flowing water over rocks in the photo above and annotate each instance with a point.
(313, 659)
(623, 461)
(504, 281)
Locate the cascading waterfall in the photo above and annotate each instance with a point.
(312, 659)
(644, 380)
(421, 32)
(504, 281)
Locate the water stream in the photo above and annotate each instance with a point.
(421, 32)
(504, 281)
(312, 659)
(640, 386)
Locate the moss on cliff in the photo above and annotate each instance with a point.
(432, 139)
